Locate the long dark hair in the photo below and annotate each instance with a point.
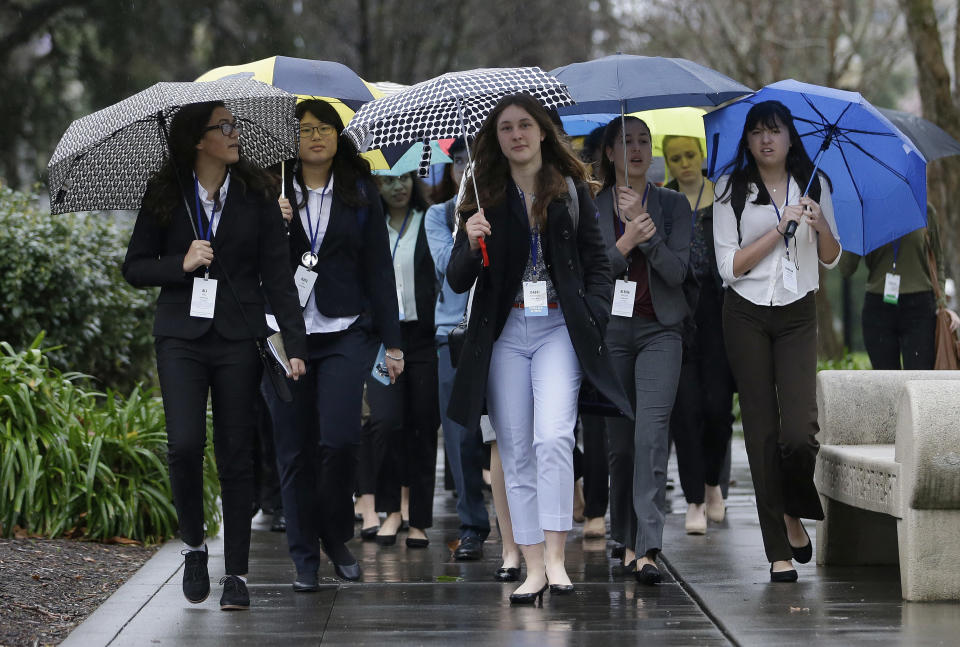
(493, 171)
(614, 129)
(348, 167)
(165, 188)
(743, 169)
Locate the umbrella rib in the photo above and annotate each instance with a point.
(853, 181)
(871, 156)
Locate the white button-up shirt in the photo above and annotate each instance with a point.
(403, 264)
(763, 284)
(206, 201)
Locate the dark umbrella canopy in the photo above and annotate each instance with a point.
(104, 160)
(932, 140)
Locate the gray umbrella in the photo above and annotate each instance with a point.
(104, 160)
(931, 140)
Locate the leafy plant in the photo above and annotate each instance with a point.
(82, 463)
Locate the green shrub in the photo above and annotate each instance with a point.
(81, 463)
(62, 274)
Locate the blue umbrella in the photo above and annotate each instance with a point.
(624, 83)
(878, 175)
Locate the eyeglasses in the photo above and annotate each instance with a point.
(323, 130)
(226, 128)
(390, 180)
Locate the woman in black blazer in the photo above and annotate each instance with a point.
(540, 307)
(400, 436)
(339, 252)
(207, 228)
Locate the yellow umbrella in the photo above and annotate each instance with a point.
(687, 122)
(305, 78)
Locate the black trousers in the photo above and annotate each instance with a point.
(907, 329)
(316, 437)
(266, 474)
(400, 437)
(702, 419)
(595, 466)
(229, 371)
(773, 355)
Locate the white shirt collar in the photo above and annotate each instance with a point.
(205, 196)
(319, 190)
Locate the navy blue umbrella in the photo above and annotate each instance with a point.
(624, 83)
(878, 175)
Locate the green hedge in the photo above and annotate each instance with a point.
(62, 274)
(76, 462)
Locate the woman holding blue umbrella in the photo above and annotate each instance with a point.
(770, 237)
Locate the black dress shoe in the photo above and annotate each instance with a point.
(196, 580)
(648, 575)
(413, 542)
(561, 589)
(507, 574)
(783, 576)
(369, 533)
(618, 551)
(306, 583)
(235, 596)
(528, 598)
(349, 572)
(805, 553)
(386, 540)
(279, 523)
(470, 549)
(405, 525)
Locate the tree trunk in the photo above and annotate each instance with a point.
(829, 345)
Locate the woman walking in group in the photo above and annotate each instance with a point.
(400, 436)
(702, 420)
(208, 258)
(339, 247)
(770, 318)
(647, 232)
(539, 311)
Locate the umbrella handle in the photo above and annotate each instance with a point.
(483, 251)
(283, 179)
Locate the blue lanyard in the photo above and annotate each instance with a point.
(403, 228)
(896, 252)
(315, 234)
(777, 211)
(643, 201)
(534, 232)
(204, 233)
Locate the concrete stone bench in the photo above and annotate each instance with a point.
(888, 473)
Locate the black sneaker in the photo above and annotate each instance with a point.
(235, 594)
(196, 580)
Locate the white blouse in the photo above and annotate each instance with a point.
(403, 264)
(763, 284)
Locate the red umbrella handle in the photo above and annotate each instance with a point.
(483, 252)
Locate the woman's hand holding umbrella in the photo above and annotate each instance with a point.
(285, 209)
(477, 227)
(199, 253)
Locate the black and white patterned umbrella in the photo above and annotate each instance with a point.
(104, 160)
(449, 105)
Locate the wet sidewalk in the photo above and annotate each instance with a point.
(716, 591)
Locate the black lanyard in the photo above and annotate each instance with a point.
(786, 200)
(696, 207)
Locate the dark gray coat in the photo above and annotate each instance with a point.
(667, 257)
(580, 272)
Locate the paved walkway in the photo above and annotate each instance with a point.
(716, 592)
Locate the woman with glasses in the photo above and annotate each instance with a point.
(400, 436)
(208, 234)
(341, 260)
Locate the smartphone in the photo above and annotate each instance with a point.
(379, 371)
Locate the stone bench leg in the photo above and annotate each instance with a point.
(929, 554)
(850, 536)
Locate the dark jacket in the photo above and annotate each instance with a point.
(355, 275)
(426, 286)
(580, 272)
(249, 242)
(667, 258)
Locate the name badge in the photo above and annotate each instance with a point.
(535, 298)
(789, 275)
(891, 289)
(624, 296)
(204, 298)
(304, 279)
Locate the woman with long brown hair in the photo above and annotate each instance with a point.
(540, 307)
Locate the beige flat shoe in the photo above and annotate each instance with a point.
(595, 528)
(696, 519)
(713, 500)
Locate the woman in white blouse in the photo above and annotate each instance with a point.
(770, 237)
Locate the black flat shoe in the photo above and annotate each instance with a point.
(306, 583)
(279, 523)
(528, 598)
(349, 572)
(386, 540)
(805, 553)
(618, 551)
(507, 574)
(413, 542)
(648, 575)
(470, 549)
(369, 533)
(561, 589)
(783, 576)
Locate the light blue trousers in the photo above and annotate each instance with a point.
(532, 401)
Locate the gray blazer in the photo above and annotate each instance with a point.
(667, 255)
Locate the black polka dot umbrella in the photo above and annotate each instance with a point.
(449, 105)
(104, 160)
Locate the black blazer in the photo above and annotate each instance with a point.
(580, 271)
(667, 257)
(355, 274)
(249, 242)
